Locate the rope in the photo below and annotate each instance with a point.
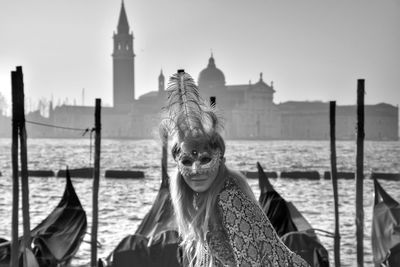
(60, 127)
(99, 245)
(87, 130)
(326, 233)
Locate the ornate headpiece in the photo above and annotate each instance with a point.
(195, 125)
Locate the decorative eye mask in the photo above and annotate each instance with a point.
(195, 163)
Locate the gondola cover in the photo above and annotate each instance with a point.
(155, 243)
(58, 237)
(290, 225)
(385, 228)
(274, 205)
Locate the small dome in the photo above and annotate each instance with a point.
(211, 76)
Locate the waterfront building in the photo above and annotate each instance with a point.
(249, 109)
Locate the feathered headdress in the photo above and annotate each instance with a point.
(187, 113)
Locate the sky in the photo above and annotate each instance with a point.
(311, 49)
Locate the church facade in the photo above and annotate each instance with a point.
(251, 113)
(249, 109)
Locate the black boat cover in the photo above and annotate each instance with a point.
(274, 205)
(309, 248)
(155, 243)
(290, 225)
(385, 235)
(58, 237)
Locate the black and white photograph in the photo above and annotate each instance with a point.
(199, 133)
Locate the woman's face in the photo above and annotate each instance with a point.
(198, 165)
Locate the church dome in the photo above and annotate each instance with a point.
(211, 77)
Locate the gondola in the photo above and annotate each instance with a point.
(294, 230)
(58, 237)
(155, 242)
(385, 235)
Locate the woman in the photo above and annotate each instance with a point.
(219, 218)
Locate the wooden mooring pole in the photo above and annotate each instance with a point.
(332, 116)
(360, 173)
(164, 158)
(14, 155)
(19, 129)
(96, 182)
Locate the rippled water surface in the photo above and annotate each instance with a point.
(123, 203)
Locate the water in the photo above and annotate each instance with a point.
(123, 203)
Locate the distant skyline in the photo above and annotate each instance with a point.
(312, 50)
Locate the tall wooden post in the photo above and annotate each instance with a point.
(24, 168)
(96, 181)
(360, 173)
(16, 117)
(164, 158)
(332, 116)
(19, 122)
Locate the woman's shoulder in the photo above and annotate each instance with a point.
(232, 191)
(235, 181)
(230, 185)
(237, 201)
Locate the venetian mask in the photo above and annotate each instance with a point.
(198, 163)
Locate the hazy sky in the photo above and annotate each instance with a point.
(311, 49)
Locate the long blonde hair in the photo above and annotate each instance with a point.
(194, 219)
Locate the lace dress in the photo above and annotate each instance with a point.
(245, 236)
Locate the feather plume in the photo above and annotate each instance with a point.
(187, 112)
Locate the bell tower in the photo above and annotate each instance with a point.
(123, 63)
(161, 83)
